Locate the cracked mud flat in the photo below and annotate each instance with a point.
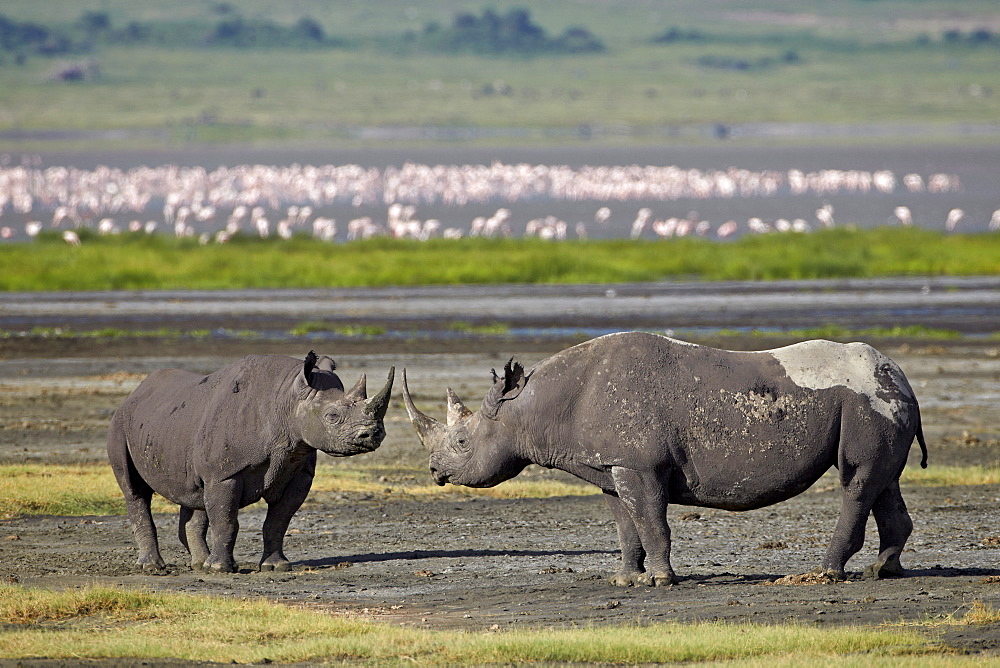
(482, 563)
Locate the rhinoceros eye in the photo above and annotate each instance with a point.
(333, 416)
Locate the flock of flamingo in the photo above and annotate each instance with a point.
(284, 200)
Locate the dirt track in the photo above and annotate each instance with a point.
(476, 563)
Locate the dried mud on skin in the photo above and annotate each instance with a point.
(481, 563)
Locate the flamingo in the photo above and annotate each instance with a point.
(801, 226)
(903, 215)
(954, 217)
(639, 224)
(727, 229)
(825, 215)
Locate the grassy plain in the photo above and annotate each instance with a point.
(104, 623)
(90, 489)
(853, 63)
(159, 262)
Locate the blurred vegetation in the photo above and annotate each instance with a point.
(495, 34)
(269, 72)
(224, 25)
(140, 262)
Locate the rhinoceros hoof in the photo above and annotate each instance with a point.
(278, 566)
(219, 566)
(627, 579)
(659, 579)
(637, 579)
(828, 574)
(151, 563)
(877, 571)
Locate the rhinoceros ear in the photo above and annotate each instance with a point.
(317, 374)
(303, 382)
(309, 365)
(506, 388)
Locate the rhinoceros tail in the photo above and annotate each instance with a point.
(923, 446)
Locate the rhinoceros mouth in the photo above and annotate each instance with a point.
(373, 436)
(440, 477)
(364, 441)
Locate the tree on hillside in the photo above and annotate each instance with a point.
(510, 33)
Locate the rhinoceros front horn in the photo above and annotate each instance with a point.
(379, 404)
(428, 429)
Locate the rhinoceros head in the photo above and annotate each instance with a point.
(472, 449)
(337, 422)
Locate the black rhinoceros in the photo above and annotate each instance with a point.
(217, 443)
(652, 420)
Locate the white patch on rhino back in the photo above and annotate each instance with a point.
(820, 365)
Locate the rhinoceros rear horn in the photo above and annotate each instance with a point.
(426, 426)
(379, 404)
(360, 389)
(456, 409)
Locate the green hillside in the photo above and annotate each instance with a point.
(313, 71)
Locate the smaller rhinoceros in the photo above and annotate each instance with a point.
(214, 444)
(652, 420)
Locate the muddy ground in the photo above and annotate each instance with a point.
(482, 563)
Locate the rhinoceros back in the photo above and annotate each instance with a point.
(177, 423)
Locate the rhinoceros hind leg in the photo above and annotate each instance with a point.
(848, 536)
(894, 528)
(138, 495)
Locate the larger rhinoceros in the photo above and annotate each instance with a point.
(652, 420)
(214, 444)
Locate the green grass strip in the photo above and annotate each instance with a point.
(90, 489)
(109, 623)
(138, 262)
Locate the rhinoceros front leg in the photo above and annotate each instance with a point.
(280, 510)
(222, 505)
(631, 571)
(644, 496)
(192, 528)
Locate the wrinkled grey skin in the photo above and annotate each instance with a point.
(652, 421)
(217, 443)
